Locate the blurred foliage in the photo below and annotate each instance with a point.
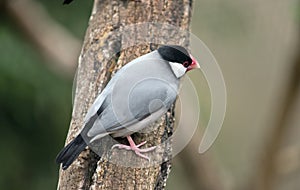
(35, 103)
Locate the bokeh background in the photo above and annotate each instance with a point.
(256, 45)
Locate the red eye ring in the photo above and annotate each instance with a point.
(186, 64)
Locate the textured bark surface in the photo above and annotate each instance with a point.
(108, 45)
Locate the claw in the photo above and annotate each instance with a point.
(138, 151)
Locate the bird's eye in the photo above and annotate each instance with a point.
(186, 64)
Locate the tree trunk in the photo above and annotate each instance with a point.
(111, 41)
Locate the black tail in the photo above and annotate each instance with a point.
(68, 154)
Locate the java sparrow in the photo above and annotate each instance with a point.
(136, 96)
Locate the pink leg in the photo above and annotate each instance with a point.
(132, 146)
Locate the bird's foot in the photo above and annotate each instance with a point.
(138, 151)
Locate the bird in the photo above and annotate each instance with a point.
(136, 96)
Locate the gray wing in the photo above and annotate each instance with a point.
(129, 106)
(103, 95)
(96, 106)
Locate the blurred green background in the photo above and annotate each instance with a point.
(35, 101)
(254, 41)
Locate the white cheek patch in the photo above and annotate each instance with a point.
(178, 69)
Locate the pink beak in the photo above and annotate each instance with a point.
(194, 65)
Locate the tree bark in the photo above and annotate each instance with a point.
(108, 45)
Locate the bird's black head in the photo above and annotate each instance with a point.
(175, 53)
